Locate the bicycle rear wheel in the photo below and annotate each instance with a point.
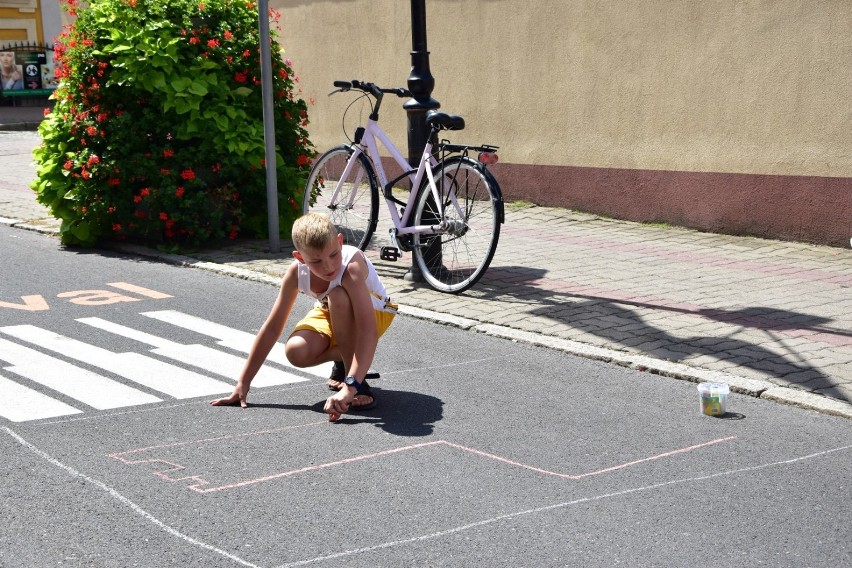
(456, 258)
(352, 203)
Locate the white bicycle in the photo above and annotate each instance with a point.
(450, 220)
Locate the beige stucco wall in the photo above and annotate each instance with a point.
(736, 86)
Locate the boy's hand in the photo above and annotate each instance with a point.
(238, 396)
(338, 403)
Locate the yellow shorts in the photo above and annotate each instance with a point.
(318, 320)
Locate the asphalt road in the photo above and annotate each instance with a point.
(481, 451)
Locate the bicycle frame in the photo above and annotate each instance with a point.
(368, 145)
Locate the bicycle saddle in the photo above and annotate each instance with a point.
(444, 121)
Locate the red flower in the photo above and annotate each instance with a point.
(187, 174)
(93, 159)
(194, 40)
(145, 192)
(168, 153)
(116, 227)
(228, 35)
(114, 181)
(179, 192)
(213, 43)
(165, 171)
(303, 160)
(91, 131)
(68, 165)
(240, 77)
(164, 216)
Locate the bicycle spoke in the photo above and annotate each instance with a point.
(346, 193)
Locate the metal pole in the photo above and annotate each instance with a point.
(268, 126)
(420, 83)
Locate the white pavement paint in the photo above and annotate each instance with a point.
(127, 502)
(231, 338)
(20, 403)
(157, 375)
(80, 384)
(546, 508)
(199, 356)
(103, 393)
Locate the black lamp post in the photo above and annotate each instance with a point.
(420, 83)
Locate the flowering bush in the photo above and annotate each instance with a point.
(157, 131)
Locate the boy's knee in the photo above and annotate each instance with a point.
(294, 354)
(298, 352)
(339, 298)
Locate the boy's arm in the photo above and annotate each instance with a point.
(268, 335)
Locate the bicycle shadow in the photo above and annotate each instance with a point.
(401, 413)
(617, 324)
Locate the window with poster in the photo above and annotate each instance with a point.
(27, 70)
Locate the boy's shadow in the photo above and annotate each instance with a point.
(400, 413)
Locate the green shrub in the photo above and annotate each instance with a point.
(157, 130)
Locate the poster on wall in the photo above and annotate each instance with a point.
(27, 72)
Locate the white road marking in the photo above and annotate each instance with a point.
(19, 403)
(232, 338)
(127, 502)
(199, 356)
(80, 384)
(157, 375)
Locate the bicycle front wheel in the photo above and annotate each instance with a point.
(350, 199)
(468, 221)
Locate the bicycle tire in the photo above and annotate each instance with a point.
(456, 259)
(355, 216)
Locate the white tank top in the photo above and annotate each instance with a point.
(377, 290)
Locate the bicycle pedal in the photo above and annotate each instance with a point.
(390, 253)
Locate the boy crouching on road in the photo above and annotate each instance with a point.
(352, 312)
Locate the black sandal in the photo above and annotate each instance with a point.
(338, 373)
(366, 391)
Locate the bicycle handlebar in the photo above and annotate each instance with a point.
(371, 88)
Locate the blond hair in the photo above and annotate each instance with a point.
(313, 232)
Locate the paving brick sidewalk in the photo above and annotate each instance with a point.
(771, 318)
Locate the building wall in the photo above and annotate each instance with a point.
(724, 115)
(20, 20)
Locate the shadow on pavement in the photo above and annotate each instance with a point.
(399, 413)
(617, 324)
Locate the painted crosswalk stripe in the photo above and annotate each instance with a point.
(231, 338)
(152, 373)
(77, 383)
(20, 403)
(199, 356)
